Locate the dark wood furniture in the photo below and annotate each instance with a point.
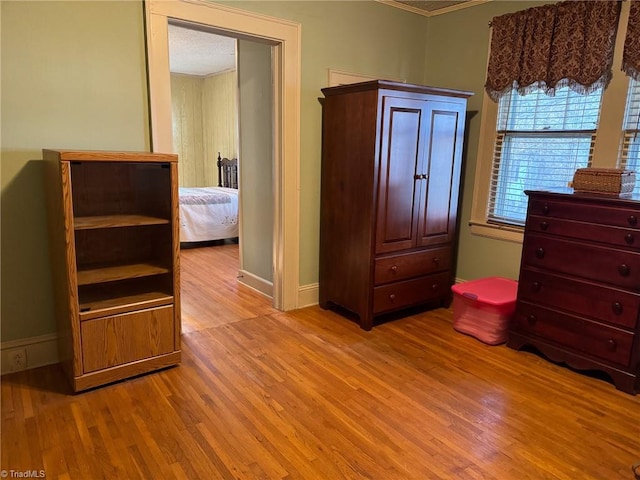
(227, 172)
(113, 225)
(579, 288)
(391, 164)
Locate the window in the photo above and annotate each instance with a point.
(540, 141)
(630, 145)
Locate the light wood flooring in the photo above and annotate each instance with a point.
(262, 394)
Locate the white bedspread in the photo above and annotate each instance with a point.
(208, 213)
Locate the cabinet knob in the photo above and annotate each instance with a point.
(434, 287)
(632, 220)
(392, 297)
(531, 320)
(624, 270)
(424, 176)
(394, 268)
(544, 225)
(546, 209)
(416, 176)
(611, 345)
(628, 238)
(536, 286)
(436, 260)
(540, 252)
(617, 308)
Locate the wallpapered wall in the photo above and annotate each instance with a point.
(205, 122)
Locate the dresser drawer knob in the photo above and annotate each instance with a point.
(546, 209)
(624, 270)
(436, 260)
(617, 308)
(611, 345)
(628, 238)
(531, 320)
(544, 225)
(536, 286)
(632, 220)
(392, 297)
(394, 269)
(540, 252)
(435, 287)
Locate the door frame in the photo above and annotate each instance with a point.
(286, 38)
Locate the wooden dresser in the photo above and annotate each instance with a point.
(579, 288)
(391, 163)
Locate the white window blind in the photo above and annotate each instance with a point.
(629, 156)
(540, 142)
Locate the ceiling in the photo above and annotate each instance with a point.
(194, 52)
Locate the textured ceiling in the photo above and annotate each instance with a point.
(193, 52)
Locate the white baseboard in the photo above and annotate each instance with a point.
(256, 283)
(308, 295)
(40, 351)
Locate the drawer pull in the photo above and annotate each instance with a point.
(544, 225)
(392, 297)
(624, 270)
(628, 238)
(540, 252)
(394, 269)
(611, 345)
(546, 209)
(434, 287)
(632, 220)
(536, 286)
(531, 320)
(436, 260)
(617, 308)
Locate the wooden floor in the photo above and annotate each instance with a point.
(262, 394)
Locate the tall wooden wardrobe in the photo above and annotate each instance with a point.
(391, 165)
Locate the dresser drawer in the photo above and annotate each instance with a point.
(585, 211)
(119, 339)
(602, 264)
(614, 236)
(618, 307)
(411, 292)
(413, 264)
(579, 334)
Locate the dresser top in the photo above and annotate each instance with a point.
(566, 193)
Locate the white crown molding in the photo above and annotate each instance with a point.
(440, 11)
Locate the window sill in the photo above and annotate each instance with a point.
(497, 232)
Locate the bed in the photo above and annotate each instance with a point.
(211, 213)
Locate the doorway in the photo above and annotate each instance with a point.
(285, 38)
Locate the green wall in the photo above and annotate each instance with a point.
(73, 76)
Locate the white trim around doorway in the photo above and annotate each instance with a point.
(286, 36)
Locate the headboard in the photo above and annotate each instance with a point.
(227, 172)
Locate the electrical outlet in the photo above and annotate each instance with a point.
(17, 359)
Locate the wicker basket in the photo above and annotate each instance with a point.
(611, 181)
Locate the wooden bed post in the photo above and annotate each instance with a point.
(219, 170)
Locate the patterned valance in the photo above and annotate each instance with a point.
(552, 46)
(631, 55)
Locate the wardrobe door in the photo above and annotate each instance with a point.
(401, 172)
(444, 123)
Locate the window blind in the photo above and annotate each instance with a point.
(629, 156)
(541, 140)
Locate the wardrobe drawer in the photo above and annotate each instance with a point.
(411, 292)
(614, 236)
(602, 264)
(611, 305)
(413, 264)
(118, 339)
(592, 338)
(585, 212)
